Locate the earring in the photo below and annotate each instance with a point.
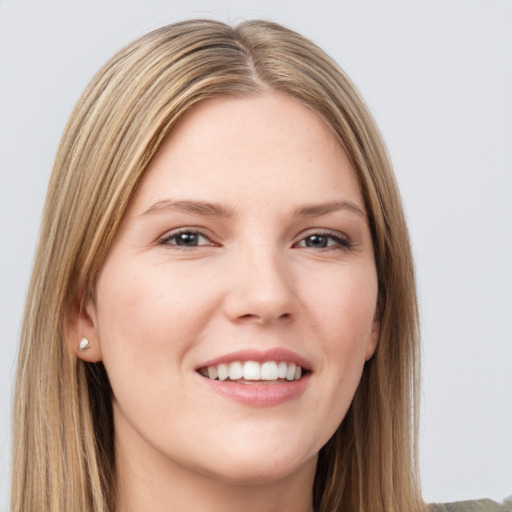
(83, 345)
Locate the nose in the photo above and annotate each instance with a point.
(261, 290)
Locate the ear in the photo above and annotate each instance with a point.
(81, 322)
(372, 343)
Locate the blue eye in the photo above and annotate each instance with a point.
(186, 239)
(316, 241)
(324, 241)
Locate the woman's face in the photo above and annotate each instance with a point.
(245, 253)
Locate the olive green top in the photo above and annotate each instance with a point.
(473, 506)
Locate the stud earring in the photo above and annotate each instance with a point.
(83, 345)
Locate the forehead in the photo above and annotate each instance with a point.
(249, 149)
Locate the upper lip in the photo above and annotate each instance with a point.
(274, 354)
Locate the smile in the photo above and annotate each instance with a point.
(257, 378)
(268, 372)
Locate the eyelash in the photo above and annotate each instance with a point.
(340, 241)
(167, 238)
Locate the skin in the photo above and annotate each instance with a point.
(255, 280)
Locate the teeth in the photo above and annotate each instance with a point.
(222, 371)
(269, 371)
(235, 371)
(290, 373)
(252, 370)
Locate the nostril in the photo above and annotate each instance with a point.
(248, 316)
(264, 319)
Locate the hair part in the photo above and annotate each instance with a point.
(63, 453)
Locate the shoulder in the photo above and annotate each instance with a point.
(472, 506)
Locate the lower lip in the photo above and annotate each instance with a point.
(260, 395)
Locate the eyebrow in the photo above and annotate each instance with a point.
(317, 210)
(196, 207)
(206, 208)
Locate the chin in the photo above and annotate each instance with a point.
(256, 471)
(261, 462)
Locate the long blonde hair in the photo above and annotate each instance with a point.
(63, 431)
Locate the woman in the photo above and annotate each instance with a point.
(222, 313)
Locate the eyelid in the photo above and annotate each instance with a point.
(342, 241)
(164, 239)
(345, 242)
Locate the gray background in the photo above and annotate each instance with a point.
(437, 76)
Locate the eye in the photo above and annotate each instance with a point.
(186, 238)
(324, 241)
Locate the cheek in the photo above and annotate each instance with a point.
(342, 309)
(155, 302)
(343, 306)
(148, 318)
